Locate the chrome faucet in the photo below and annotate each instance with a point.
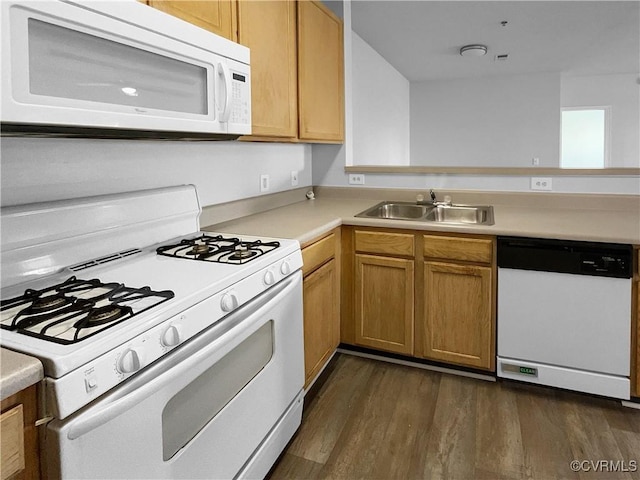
(434, 201)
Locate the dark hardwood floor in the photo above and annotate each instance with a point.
(375, 420)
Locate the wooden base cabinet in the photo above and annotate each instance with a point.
(426, 295)
(384, 303)
(457, 322)
(321, 298)
(19, 436)
(457, 314)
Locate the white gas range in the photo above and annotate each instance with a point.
(190, 343)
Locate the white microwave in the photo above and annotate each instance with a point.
(118, 68)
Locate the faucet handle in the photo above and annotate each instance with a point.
(433, 196)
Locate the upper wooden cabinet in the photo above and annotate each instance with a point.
(269, 30)
(217, 16)
(320, 74)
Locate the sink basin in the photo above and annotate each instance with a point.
(396, 210)
(448, 214)
(462, 214)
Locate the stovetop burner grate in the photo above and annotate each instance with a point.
(76, 309)
(219, 249)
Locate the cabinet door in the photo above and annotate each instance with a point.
(320, 311)
(458, 314)
(19, 435)
(268, 28)
(384, 303)
(217, 16)
(320, 74)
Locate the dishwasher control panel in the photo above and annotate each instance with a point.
(566, 256)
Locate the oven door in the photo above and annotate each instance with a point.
(68, 67)
(201, 411)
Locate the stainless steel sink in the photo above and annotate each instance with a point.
(449, 214)
(396, 210)
(461, 214)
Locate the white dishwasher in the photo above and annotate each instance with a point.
(564, 314)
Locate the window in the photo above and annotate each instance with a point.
(585, 137)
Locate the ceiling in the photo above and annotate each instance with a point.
(422, 39)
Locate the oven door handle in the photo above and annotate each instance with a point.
(185, 362)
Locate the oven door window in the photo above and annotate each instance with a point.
(191, 409)
(79, 67)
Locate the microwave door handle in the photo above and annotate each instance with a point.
(225, 74)
(205, 351)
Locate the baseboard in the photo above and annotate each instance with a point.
(424, 366)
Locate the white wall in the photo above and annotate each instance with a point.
(35, 170)
(622, 93)
(328, 170)
(501, 121)
(380, 109)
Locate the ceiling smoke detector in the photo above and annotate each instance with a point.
(473, 50)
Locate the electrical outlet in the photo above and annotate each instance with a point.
(540, 183)
(294, 178)
(535, 161)
(356, 179)
(264, 183)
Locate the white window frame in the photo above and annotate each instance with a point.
(607, 131)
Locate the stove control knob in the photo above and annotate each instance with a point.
(285, 268)
(228, 302)
(269, 278)
(130, 361)
(170, 337)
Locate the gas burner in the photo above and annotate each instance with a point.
(49, 303)
(218, 249)
(242, 253)
(76, 309)
(106, 314)
(199, 249)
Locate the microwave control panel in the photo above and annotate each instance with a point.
(241, 98)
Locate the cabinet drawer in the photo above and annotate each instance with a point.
(458, 248)
(12, 449)
(318, 253)
(385, 242)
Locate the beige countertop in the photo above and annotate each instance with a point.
(17, 372)
(309, 219)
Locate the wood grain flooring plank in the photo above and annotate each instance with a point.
(364, 437)
(291, 467)
(326, 416)
(409, 425)
(629, 445)
(627, 419)
(590, 436)
(452, 442)
(547, 454)
(498, 436)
